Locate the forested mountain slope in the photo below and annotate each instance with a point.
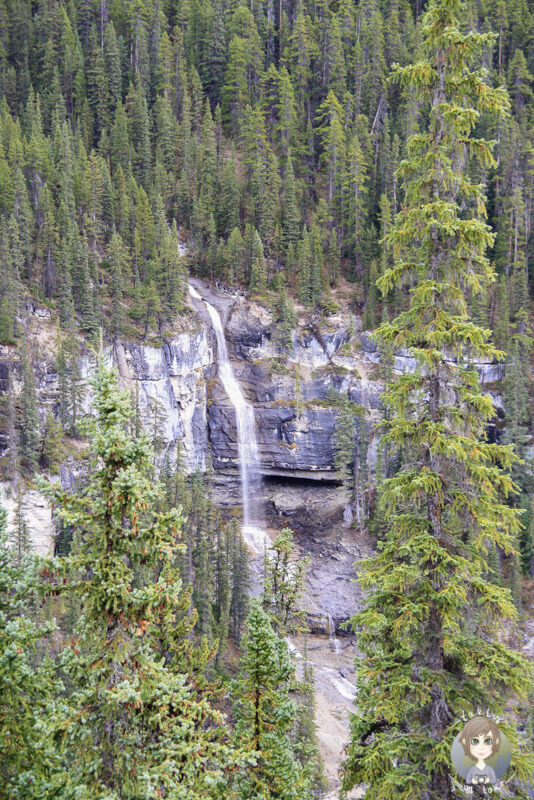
(270, 136)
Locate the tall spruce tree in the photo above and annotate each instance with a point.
(429, 632)
(29, 433)
(264, 717)
(136, 726)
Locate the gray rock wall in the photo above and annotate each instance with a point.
(179, 395)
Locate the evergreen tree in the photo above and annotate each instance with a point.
(30, 766)
(20, 538)
(258, 272)
(121, 148)
(233, 256)
(304, 266)
(290, 218)
(344, 443)
(118, 258)
(70, 387)
(429, 650)
(9, 285)
(134, 722)
(29, 426)
(240, 582)
(52, 449)
(264, 715)
(227, 208)
(284, 318)
(223, 587)
(516, 399)
(331, 130)
(527, 550)
(283, 585)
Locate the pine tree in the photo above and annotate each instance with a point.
(29, 426)
(331, 130)
(240, 582)
(516, 399)
(369, 317)
(20, 537)
(355, 191)
(213, 62)
(30, 765)
(121, 148)
(227, 207)
(258, 272)
(283, 585)
(429, 650)
(70, 387)
(286, 125)
(118, 258)
(233, 256)
(304, 266)
(52, 449)
(344, 443)
(284, 317)
(290, 216)
(134, 722)
(24, 219)
(264, 715)
(223, 585)
(112, 60)
(527, 550)
(9, 287)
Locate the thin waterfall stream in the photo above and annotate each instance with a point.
(247, 443)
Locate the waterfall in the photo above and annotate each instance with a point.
(249, 462)
(334, 641)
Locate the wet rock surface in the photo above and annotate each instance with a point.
(288, 442)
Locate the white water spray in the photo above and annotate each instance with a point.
(334, 641)
(249, 462)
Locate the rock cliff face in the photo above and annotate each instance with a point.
(170, 385)
(181, 400)
(291, 443)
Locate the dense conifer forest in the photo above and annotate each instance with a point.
(373, 158)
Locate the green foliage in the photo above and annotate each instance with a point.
(113, 150)
(429, 632)
(119, 121)
(283, 585)
(134, 720)
(29, 426)
(70, 386)
(284, 318)
(344, 442)
(264, 715)
(30, 767)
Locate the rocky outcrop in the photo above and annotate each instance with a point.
(291, 444)
(171, 387)
(180, 399)
(37, 515)
(295, 424)
(169, 384)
